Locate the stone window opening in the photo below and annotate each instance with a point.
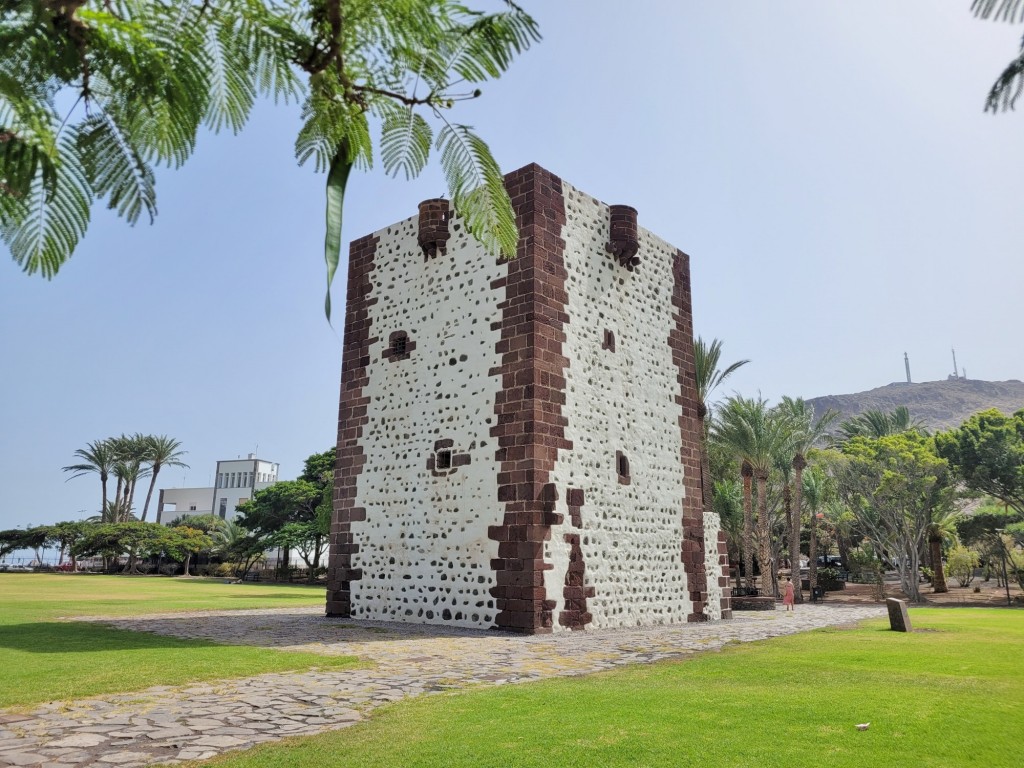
(400, 346)
(609, 340)
(622, 467)
(444, 459)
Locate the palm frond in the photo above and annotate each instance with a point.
(999, 10)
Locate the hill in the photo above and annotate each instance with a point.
(939, 404)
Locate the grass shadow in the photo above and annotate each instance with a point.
(56, 637)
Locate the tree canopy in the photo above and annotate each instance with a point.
(895, 486)
(987, 453)
(97, 94)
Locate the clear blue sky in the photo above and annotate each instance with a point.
(827, 165)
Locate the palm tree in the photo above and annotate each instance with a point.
(98, 457)
(747, 473)
(804, 432)
(814, 488)
(161, 451)
(876, 423)
(706, 359)
(756, 434)
(728, 504)
(129, 454)
(941, 528)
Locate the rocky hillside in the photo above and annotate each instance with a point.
(939, 404)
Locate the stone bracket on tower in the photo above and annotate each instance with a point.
(623, 243)
(433, 231)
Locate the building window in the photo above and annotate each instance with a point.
(400, 346)
(622, 467)
(192, 508)
(444, 459)
(223, 510)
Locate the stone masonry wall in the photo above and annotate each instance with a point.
(621, 380)
(518, 441)
(422, 548)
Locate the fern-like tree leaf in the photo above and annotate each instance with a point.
(232, 90)
(55, 215)
(487, 47)
(405, 142)
(478, 189)
(114, 168)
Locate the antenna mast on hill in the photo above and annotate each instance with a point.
(906, 362)
(955, 374)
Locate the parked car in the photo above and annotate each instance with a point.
(14, 567)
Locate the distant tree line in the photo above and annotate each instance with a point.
(291, 515)
(877, 488)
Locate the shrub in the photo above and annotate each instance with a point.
(828, 579)
(960, 564)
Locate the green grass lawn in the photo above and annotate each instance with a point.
(43, 658)
(950, 695)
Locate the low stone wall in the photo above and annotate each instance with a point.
(753, 603)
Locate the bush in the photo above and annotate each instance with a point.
(960, 564)
(225, 570)
(170, 569)
(828, 579)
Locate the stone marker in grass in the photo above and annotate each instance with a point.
(899, 619)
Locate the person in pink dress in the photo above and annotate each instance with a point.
(787, 597)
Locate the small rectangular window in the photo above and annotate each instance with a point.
(444, 459)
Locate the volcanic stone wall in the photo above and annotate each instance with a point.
(426, 487)
(518, 441)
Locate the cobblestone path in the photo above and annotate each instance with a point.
(167, 725)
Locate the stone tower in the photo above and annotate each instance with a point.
(519, 441)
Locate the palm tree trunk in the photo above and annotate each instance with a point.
(103, 485)
(794, 543)
(764, 535)
(748, 525)
(935, 550)
(117, 498)
(149, 493)
(812, 568)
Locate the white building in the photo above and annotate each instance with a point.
(236, 481)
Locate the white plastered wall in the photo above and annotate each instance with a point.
(620, 401)
(712, 525)
(424, 548)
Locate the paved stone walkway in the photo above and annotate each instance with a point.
(168, 725)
